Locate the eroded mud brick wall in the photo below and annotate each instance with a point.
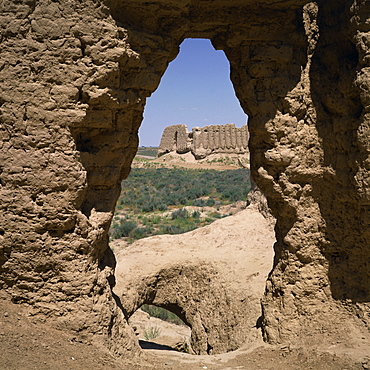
(174, 139)
(219, 139)
(204, 141)
(74, 79)
(70, 110)
(317, 172)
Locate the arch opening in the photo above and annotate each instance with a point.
(195, 90)
(217, 323)
(76, 110)
(161, 328)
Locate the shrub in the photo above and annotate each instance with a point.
(171, 229)
(195, 214)
(141, 232)
(210, 202)
(162, 313)
(152, 332)
(123, 229)
(156, 219)
(179, 213)
(149, 207)
(199, 203)
(162, 207)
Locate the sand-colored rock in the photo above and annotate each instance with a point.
(213, 278)
(74, 78)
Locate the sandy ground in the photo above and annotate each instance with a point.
(219, 162)
(26, 346)
(245, 267)
(241, 247)
(169, 335)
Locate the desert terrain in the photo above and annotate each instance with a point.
(215, 161)
(26, 344)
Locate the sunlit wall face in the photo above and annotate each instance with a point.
(195, 90)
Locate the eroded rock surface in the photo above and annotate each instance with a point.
(213, 278)
(74, 79)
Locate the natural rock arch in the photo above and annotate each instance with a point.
(206, 277)
(196, 295)
(75, 76)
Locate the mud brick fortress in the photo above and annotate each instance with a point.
(204, 141)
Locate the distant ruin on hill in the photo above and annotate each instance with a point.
(204, 141)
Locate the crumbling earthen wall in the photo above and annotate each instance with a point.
(74, 79)
(204, 141)
(175, 138)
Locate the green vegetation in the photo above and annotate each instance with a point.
(162, 314)
(153, 201)
(223, 160)
(122, 229)
(147, 151)
(148, 190)
(152, 332)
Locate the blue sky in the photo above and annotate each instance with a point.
(195, 90)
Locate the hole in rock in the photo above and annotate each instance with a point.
(195, 91)
(168, 197)
(158, 328)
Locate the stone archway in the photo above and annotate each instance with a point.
(75, 77)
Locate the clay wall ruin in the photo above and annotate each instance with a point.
(75, 76)
(204, 141)
(175, 138)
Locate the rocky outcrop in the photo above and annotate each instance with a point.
(212, 278)
(75, 76)
(204, 141)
